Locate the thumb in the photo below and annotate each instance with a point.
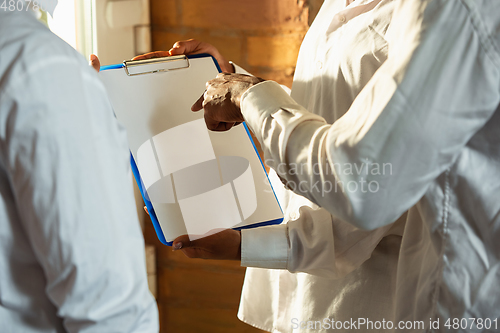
(155, 54)
(181, 242)
(191, 249)
(189, 46)
(178, 49)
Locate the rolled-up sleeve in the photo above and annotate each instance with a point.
(437, 88)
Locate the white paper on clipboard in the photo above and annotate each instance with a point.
(197, 181)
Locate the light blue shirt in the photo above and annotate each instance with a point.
(71, 249)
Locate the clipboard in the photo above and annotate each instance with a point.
(193, 181)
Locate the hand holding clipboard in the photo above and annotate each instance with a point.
(193, 181)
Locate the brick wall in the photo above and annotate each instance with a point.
(262, 36)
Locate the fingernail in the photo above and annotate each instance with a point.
(177, 246)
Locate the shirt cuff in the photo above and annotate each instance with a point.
(265, 247)
(239, 70)
(268, 100)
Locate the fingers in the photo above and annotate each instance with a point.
(215, 125)
(220, 112)
(156, 54)
(178, 49)
(193, 46)
(94, 62)
(222, 244)
(190, 46)
(198, 105)
(212, 124)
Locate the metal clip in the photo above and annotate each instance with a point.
(155, 65)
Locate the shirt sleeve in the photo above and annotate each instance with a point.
(69, 170)
(437, 88)
(240, 70)
(312, 241)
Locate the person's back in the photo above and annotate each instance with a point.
(71, 249)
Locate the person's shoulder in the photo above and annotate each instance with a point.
(28, 47)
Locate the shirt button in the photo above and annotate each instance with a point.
(319, 64)
(293, 216)
(341, 18)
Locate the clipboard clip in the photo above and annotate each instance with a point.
(155, 65)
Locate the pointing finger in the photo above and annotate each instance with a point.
(198, 105)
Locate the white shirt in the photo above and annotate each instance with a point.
(430, 113)
(353, 264)
(71, 249)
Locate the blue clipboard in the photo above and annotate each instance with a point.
(128, 67)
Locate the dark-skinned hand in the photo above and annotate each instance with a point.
(221, 100)
(191, 46)
(224, 245)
